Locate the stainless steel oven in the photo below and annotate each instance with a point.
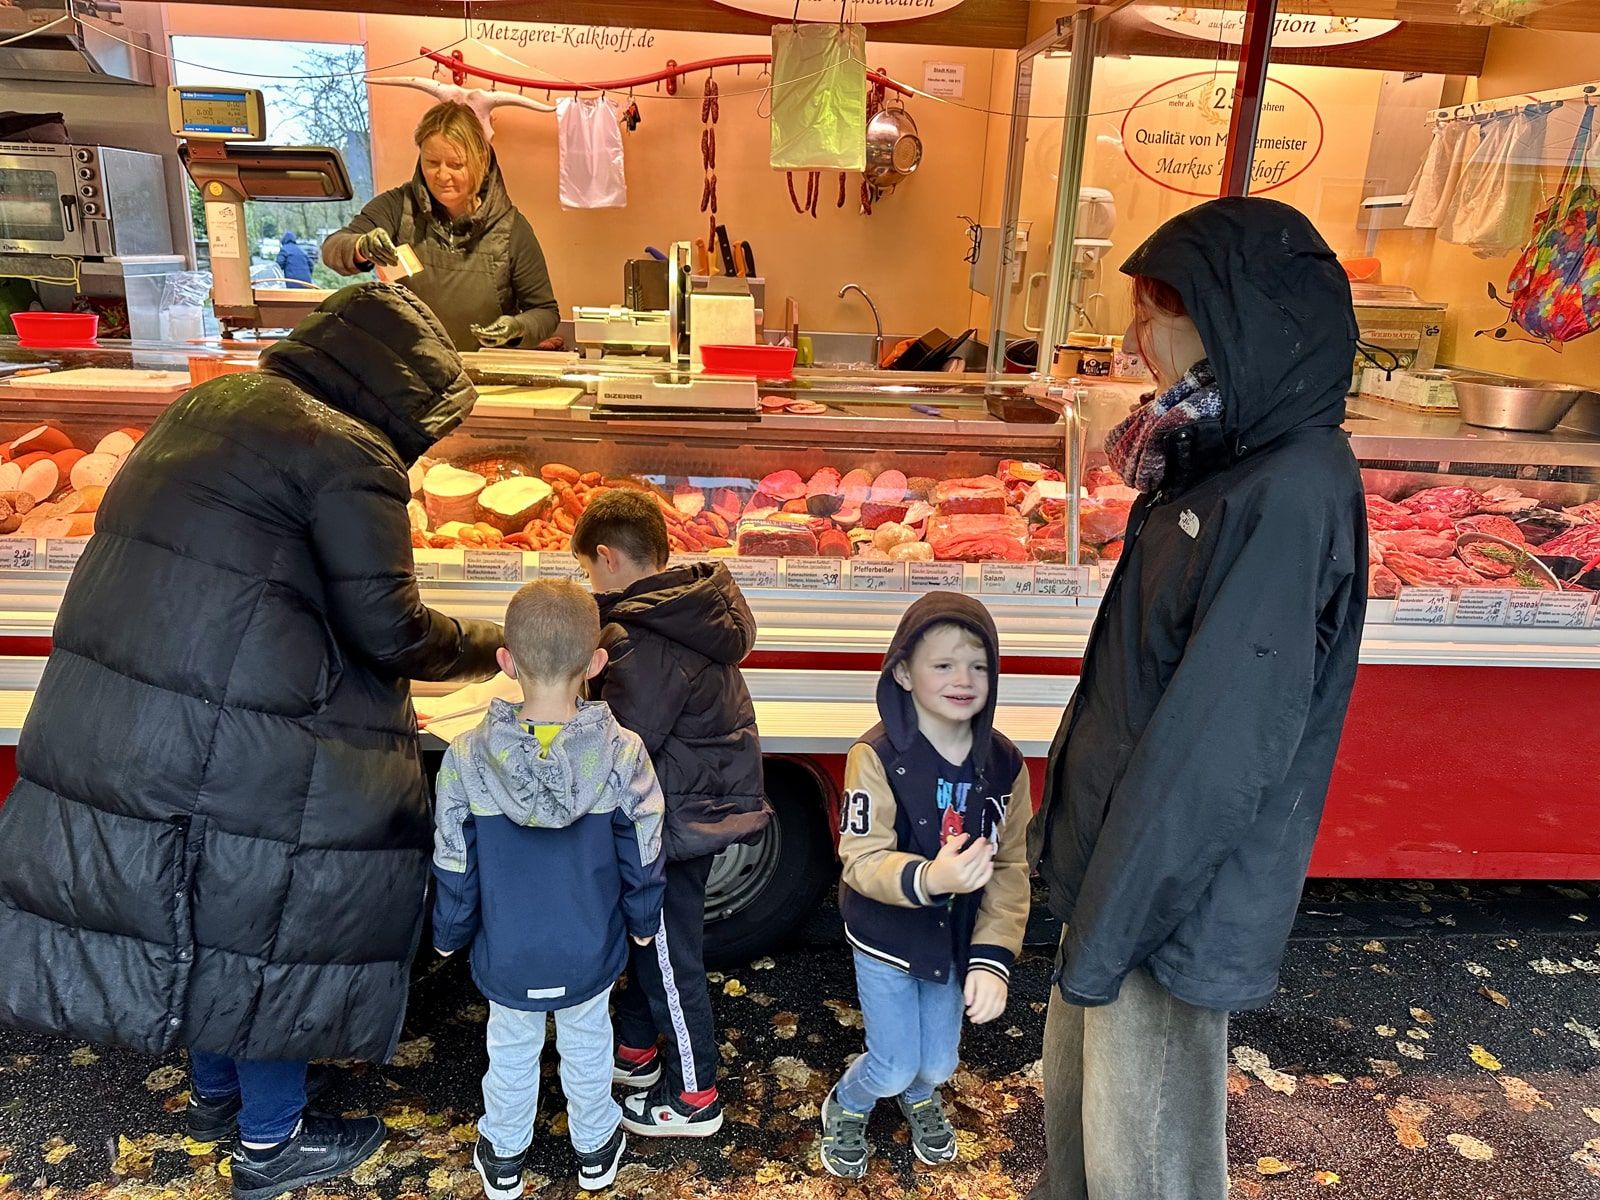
(82, 201)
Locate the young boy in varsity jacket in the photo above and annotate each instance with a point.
(934, 891)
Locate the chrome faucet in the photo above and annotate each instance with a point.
(877, 342)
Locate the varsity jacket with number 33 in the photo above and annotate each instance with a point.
(902, 800)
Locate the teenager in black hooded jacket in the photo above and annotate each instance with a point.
(1186, 783)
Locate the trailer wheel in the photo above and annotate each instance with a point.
(762, 893)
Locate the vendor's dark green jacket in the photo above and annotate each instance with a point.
(475, 269)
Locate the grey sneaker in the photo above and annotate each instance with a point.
(844, 1139)
(933, 1138)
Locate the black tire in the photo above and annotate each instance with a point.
(760, 895)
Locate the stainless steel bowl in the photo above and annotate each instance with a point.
(1527, 407)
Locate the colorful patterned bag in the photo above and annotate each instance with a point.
(1554, 290)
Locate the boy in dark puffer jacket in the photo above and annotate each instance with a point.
(675, 638)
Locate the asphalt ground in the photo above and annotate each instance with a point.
(1436, 1041)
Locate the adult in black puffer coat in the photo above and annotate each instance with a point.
(220, 836)
(1186, 783)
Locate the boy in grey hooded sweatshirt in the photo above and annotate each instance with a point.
(547, 854)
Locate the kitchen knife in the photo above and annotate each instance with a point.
(725, 248)
(749, 258)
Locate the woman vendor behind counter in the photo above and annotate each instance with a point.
(483, 273)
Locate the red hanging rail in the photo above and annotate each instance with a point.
(460, 69)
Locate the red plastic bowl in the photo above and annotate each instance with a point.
(766, 362)
(56, 331)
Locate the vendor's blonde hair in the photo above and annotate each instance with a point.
(458, 125)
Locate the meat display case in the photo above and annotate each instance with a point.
(834, 521)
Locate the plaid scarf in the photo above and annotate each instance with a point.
(1137, 447)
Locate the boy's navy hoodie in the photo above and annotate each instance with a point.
(903, 800)
(547, 861)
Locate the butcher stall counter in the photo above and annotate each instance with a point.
(1467, 749)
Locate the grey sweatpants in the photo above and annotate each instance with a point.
(1135, 1098)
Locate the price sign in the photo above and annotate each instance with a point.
(935, 576)
(1562, 610)
(690, 560)
(1482, 606)
(62, 554)
(1422, 606)
(16, 554)
(492, 566)
(814, 574)
(1006, 579)
(1058, 579)
(1522, 609)
(876, 575)
(425, 570)
(558, 564)
(754, 572)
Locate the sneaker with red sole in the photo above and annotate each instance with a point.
(659, 1113)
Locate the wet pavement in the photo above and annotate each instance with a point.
(1430, 1040)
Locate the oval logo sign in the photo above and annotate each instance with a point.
(867, 12)
(1289, 30)
(1176, 134)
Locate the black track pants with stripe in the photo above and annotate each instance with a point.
(667, 995)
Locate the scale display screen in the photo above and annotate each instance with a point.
(220, 114)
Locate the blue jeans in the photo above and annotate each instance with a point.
(913, 1036)
(511, 1088)
(272, 1094)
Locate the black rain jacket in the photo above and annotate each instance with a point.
(676, 639)
(220, 838)
(1186, 782)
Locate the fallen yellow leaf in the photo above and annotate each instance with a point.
(164, 1079)
(225, 1166)
(1326, 1178)
(1488, 993)
(404, 1118)
(785, 1025)
(1374, 947)
(1593, 1114)
(414, 1053)
(1483, 1058)
(464, 1133)
(58, 1151)
(1521, 1095)
(1422, 1016)
(558, 1125)
(197, 1149)
(83, 1056)
(1274, 1166)
(734, 988)
(5, 1182)
(1407, 1116)
(1470, 1147)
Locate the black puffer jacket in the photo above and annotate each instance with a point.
(676, 640)
(220, 836)
(1187, 781)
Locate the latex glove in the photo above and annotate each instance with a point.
(986, 996)
(377, 248)
(502, 331)
(958, 871)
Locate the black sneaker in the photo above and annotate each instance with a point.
(844, 1149)
(501, 1173)
(598, 1168)
(218, 1120)
(638, 1076)
(933, 1138)
(659, 1113)
(322, 1148)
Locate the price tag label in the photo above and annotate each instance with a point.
(814, 574)
(1058, 579)
(1522, 609)
(425, 570)
(935, 576)
(558, 564)
(690, 560)
(875, 575)
(1562, 610)
(1482, 606)
(62, 554)
(754, 572)
(16, 554)
(1006, 579)
(1422, 606)
(492, 566)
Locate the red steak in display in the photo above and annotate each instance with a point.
(1386, 514)
(979, 494)
(1430, 572)
(1421, 542)
(1582, 542)
(777, 539)
(1382, 583)
(1490, 559)
(1492, 523)
(878, 512)
(1451, 501)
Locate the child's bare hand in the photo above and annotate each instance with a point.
(986, 996)
(639, 941)
(958, 871)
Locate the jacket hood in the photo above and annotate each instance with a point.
(288, 239)
(376, 352)
(1273, 309)
(549, 791)
(494, 205)
(896, 707)
(699, 606)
